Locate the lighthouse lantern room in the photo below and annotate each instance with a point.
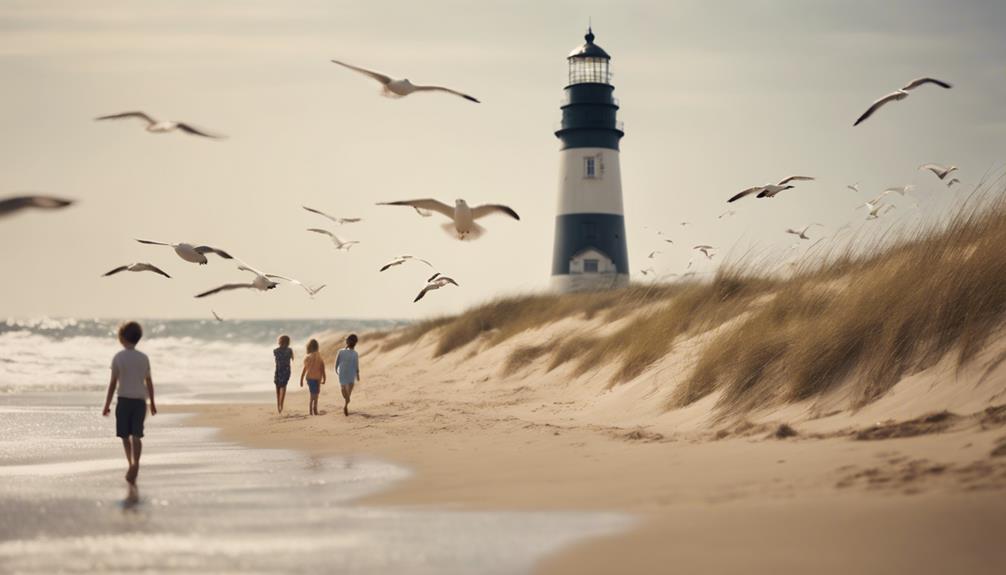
(590, 250)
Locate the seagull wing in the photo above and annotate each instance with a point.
(10, 205)
(225, 287)
(314, 291)
(392, 263)
(375, 75)
(422, 212)
(425, 204)
(348, 220)
(876, 105)
(746, 192)
(321, 231)
(795, 179)
(211, 250)
(321, 213)
(189, 129)
(153, 243)
(433, 277)
(215, 316)
(486, 209)
(141, 115)
(920, 81)
(447, 280)
(151, 268)
(115, 271)
(448, 90)
(291, 280)
(422, 293)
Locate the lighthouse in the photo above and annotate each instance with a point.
(590, 251)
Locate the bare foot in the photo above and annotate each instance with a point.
(134, 470)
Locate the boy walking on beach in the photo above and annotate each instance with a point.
(314, 372)
(131, 374)
(347, 365)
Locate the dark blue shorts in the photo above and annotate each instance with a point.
(314, 386)
(129, 416)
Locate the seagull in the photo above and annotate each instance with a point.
(191, 253)
(137, 267)
(853, 187)
(684, 224)
(462, 214)
(394, 88)
(159, 127)
(669, 241)
(952, 182)
(340, 244)
(17, 203)
(874, 207)
(647, 271)
(339, 221)
(436, 282)
(314, 291)
(770, 190)
(654, 253)
(899, 95)
(216, 317)
(802, 234)
(941, 171)
(402, 259)
(900, 190)
(725, 214)
(705, 250)
(262, 282)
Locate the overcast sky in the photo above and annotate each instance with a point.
(715, 97)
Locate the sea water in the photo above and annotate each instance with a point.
(204, 505)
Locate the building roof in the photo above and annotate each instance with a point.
(589, 49)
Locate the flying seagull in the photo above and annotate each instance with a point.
(653, 254)
(900, 190)
(14, 204)
(706, 250)
(670, 241)
(436, 282)
(874, 207)
(339, 221)
(952, 182)
(941, 171)
(802, 234)
(314, 291)
(394, 88)
(340, 244)
(137, 267)
(647, 271)
(462, 215)
(191, 253)
(161, 127)
(853, 187)
(262, 282)
(899, 95)
(725, 214)
(770, 190)
(402, 259)
(215, 316)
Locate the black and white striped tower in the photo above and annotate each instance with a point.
(590, 251)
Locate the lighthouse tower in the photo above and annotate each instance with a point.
(590, 251)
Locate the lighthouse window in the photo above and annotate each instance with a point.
(590, 266)
(590, 167)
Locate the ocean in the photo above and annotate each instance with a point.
(205, 505)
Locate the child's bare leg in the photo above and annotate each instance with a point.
(281, 397)
(128, 446)
(347, 392)
(134, 467)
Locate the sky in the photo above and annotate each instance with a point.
(715, 96)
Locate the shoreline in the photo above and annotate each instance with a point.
(781, 495)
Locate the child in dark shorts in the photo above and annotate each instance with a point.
(314, 372)
(284, 356)
(131, 375)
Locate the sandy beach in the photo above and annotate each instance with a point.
(911, 483)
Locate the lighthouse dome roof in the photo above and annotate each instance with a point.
(589, 49)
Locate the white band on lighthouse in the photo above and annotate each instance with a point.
(590, 181)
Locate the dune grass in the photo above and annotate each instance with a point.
(942, 290)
